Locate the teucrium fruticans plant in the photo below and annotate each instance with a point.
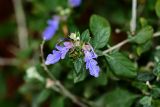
(91, 52)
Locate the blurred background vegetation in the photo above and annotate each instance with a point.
(16, 90)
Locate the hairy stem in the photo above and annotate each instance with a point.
(21, 23)
(156, 34)
(116, 46)
(134, 15)
(119, 45)
(68, 94)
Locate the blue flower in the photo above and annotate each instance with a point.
(50, 31)
(93, 68)
(53, 58)
(64, 49)
(60, 54)
(91, 64)
(74, 3)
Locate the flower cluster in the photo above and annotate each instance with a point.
(50, 31)
(74, 44)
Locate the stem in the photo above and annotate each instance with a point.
(132, 28)
(8, 61)
(119, 45)
(156, 34)
(21, 23)
(59, 87)
(134, 15)
(116, 46)
(149, 85)
(43, 62)
(70, 95)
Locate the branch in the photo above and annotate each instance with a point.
(156, 34)
(68, 94)
(21, 23)
(59, 87)
(116, 46)
(119, 45)
(134, 15)
(132, 28)
(8, 61)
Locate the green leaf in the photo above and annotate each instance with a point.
(101, 30)
(80, 76)
(121, 65)
(145, 76)
(116, 98)
(140, 85)
(88, 92)
(143, 47)
(42, 96)
(143, 22)
(57, 102)
(143, 35)
(102, 80)
(157, 8)
(56, 70)
(156, 70)
(85, 36)
(146, 101)
(78, 65)
(155, 92)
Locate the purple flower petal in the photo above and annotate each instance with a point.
(53, 58)
(91, 64)
(89, 51)
(68, 45)
(93, 68)
(62, 50)
(50, 31)
(89, 55)
(94, 55)
(74, 3)
(59, 54)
